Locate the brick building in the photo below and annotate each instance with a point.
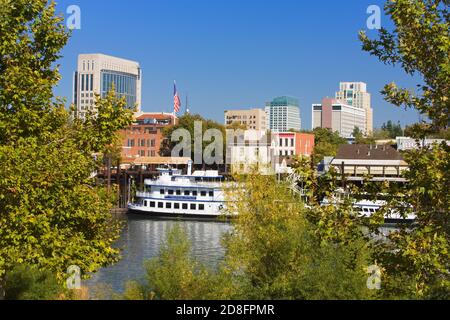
(143, 138)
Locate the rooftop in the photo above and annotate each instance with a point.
(284, 101)
(368, 152)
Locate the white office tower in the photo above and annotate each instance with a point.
(283, 114)
(355, 94)
(97, 73)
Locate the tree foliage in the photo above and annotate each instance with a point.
(420, 44)
(326, 143)
(417, 260)
(187, 122)
(174, 274)
(52, 214)
(28, 283)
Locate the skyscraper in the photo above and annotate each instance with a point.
(355, 94)
(283, 114)
(338, 116)
(97, 73)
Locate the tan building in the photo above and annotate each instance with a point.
(253, 119)
(98, 73)
(355, 94)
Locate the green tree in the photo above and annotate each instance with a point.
(360, 138)
(29, 283)
(326, 143)
(187, 122)
(174, 274)
(52, 214)
(277, 252)
(420, 44)
(393, 130)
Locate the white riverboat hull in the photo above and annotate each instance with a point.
(175, 214)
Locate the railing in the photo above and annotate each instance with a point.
(377, 172)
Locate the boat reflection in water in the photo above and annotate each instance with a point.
(142, 238)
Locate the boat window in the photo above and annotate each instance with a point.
(152, 204)
(194, 193)
(186, 192)
(168, 205)
(211, 193)
(160, 204)
(145, 203)
(176, 206)
(185, 206)
(365, 209)
(170, 192)
(178, 192)
(203, 193)
(193, 206)
(161, 191)
(201, 207)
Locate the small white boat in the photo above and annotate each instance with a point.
(367, 208)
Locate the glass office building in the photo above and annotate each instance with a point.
(125, 85)
(97, 73)
(283, 114)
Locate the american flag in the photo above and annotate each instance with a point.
(176, 99)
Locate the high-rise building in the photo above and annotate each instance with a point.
(355, 94)
(338, 116)
(283, 114)
(97, 73)
(254, 119)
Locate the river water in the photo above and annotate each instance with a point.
(142, 238)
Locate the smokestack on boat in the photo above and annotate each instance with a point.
(189, 168)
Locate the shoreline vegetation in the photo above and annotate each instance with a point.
(54, 215)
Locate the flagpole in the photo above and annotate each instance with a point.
(173, 112)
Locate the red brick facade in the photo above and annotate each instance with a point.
(143, 138)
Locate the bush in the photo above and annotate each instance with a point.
(29, 283)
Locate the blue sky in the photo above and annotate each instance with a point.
(236, 53)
